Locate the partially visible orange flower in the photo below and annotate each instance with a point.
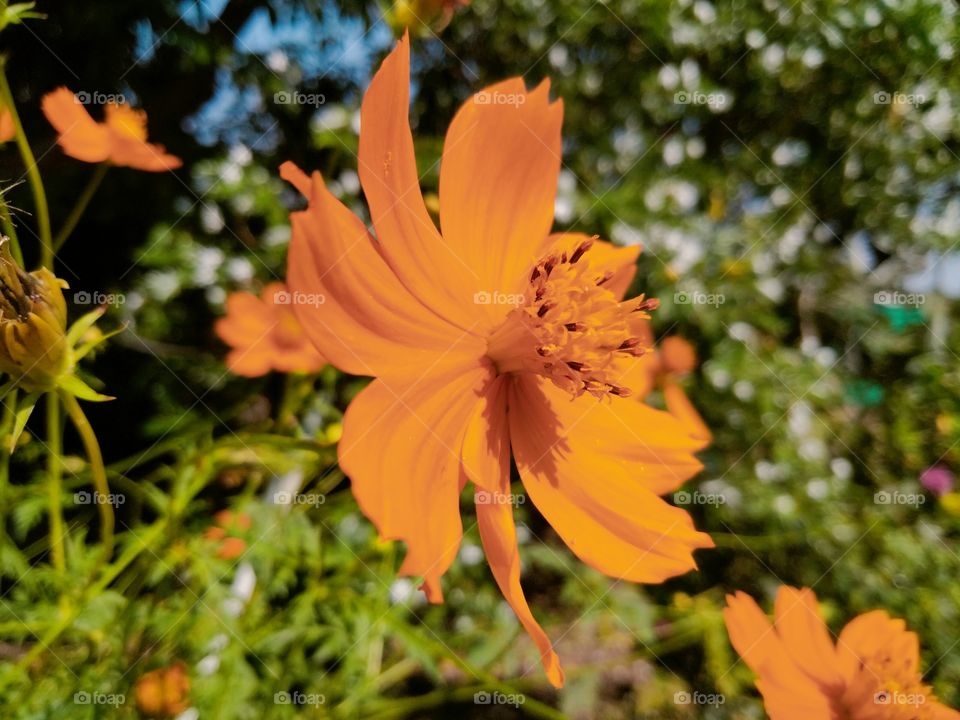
(673, 359)
(121, 139)
(7, 130)
(872, 672)
(164, 692)
(229, 525)
(265, 334)
(489, 338)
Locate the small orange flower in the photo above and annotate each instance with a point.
(673, 359)
(164, 692)
(121, 139)
(228, 525)
(7, 130)
(265, 334)
(488, 339)
(872, 672)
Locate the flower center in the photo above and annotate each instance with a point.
(127, 121)
(887, 688)
(288, 332)
(571, 329)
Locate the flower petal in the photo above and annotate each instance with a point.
(486, 443)
(432, 270)
(498, 181)
(81, 137)
(401, 449)
(7, 130)
(363, 319)
(499, 537)
(249, 361)
(652, 447)
(125, 120)
(870, 633)
(939, 711)
(590, 489)
(788, 693)
(129, 152)
(803, 631)
(247, 320)
(679, 405)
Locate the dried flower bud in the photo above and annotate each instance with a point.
(33, 321)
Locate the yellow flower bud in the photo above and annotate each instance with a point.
(33, 321)
(951, 503)
(419, 15)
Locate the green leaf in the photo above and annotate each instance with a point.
(17, 13)
(20, 420)
(79, 389)
(83, 324)
(27, 513)
(414, 645)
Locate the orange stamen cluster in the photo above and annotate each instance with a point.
(887, 688)
(571, 328)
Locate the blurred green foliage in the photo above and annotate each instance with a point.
(788, 167)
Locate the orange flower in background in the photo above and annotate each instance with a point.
(265, 334)
(673, 359)
(121, 139)
(7, 130)
(228, 526)
(872, 672)
(164, 692)
(493, 338)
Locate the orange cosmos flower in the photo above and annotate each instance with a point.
(164, 692)
(872, 672)
(493, 338)
(121, 139)
(265, 334)
(7, 130)
(673, 359)
(226, 530)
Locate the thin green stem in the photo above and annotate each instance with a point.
(80, 206)
(110, 573)
(6, 222)
(97, 470)
(6, 427)
(33, 173)
(142, 541)
(407, 707)
(54, 482)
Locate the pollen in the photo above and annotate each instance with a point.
(887, 687)
(572, 329)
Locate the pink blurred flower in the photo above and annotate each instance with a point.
(937, 479)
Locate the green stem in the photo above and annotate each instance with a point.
(143, 541)
(756, 543)
(80, 206)
(54, 481)
(6, 221)
(408, 707)
(97, 470)
(33, 173)
(6, 427)
(110, 573)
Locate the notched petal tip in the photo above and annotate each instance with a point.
(554, 672)
(432, 589)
